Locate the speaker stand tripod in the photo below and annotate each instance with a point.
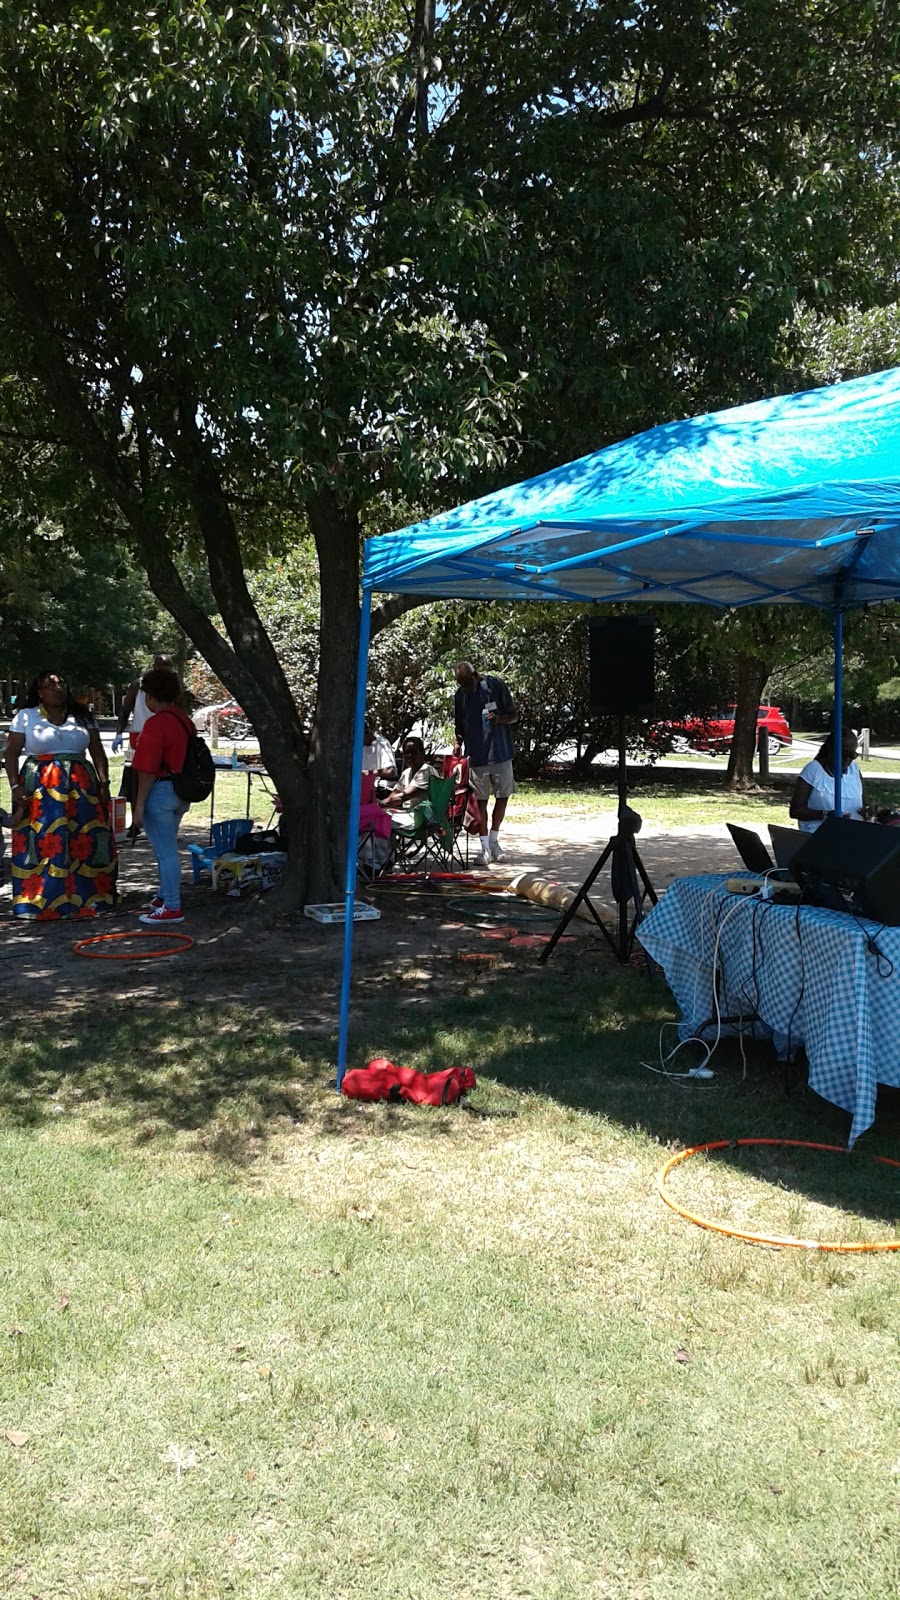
(630, 884)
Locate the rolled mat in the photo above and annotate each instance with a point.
(548, 892)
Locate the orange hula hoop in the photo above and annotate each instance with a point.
(788, 1242)
(80, 946)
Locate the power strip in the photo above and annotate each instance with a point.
(743, 885)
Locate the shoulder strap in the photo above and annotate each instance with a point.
(180, 724)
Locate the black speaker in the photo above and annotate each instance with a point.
(854, 866)
(623, 677)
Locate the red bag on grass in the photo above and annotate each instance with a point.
(381, 1080)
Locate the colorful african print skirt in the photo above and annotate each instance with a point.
(63, 851)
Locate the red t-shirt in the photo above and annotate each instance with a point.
(162, 742)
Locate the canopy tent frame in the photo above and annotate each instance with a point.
(833, 484)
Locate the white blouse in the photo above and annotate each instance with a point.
(141, 714)
(45, 738)
(822, 797)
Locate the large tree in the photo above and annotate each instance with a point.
(273, 262)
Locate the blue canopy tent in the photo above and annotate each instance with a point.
(794, 500)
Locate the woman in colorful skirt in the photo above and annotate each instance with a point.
(63, 852)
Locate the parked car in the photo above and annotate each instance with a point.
(716, 731)
(233, 723)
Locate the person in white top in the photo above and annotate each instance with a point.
(813, 797)
(378, 757)
(411, 790)
(63, 851)
(134, 706)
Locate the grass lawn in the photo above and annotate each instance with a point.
(257, 1342)
(673, 799)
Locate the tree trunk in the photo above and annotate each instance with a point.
(585, 758)
(753, 673)
(336, 534)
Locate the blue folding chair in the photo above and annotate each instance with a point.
(224, 838)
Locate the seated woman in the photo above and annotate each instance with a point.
(813, 797)
(411, 789)
(63, 851)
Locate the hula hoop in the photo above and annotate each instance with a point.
(514, 910)
(80, 946)
(788, 1242)
(418, 882)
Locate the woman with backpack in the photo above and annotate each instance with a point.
(158, 808)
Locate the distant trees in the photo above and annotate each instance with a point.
(86, 612)
(266, 270)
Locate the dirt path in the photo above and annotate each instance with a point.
(567, 848)
(295, 967)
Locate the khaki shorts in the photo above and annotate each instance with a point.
(497, 777)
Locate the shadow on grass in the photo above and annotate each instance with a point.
(574, 1032)
(577, 1033)
(225, 1074)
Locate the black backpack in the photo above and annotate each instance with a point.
(198, 773)
(250, 844)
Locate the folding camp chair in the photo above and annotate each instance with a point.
(461, 813)
(430, 841)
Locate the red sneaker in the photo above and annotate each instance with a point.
(157, 903)
(162, 917)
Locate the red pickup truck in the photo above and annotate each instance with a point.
(716, 731)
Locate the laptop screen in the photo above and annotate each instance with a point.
(751, 849)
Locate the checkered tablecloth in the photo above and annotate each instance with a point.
(795, 974)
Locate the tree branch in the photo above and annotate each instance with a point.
(225, 562)
(396, 606)
(36, 438)
(71, 408)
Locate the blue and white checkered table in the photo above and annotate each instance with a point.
(823, 979)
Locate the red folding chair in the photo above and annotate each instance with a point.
(462, 816)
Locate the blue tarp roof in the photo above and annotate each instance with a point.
(764, 503)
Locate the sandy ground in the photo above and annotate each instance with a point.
(567, 849)
(236, 958)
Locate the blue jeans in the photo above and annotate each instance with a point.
(163, 812)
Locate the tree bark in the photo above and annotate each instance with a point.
(394, 607)
(336, 534)
(753, 674)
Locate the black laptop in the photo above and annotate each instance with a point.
(753, 852)
(785, 843)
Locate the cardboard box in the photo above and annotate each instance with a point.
(236, 874)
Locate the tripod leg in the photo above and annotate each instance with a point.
(580, 897)
(648, 887)
(626, 894)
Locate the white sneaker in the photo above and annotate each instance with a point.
(496, 853)
(485, 857)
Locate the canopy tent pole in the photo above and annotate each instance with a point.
(359, 724)
(837, 720)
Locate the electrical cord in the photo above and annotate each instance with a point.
(884, 967)
(874, 948)
(701, 1072)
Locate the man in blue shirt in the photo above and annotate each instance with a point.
(483, 714)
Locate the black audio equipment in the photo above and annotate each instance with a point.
(623, 680)
(852, 866)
